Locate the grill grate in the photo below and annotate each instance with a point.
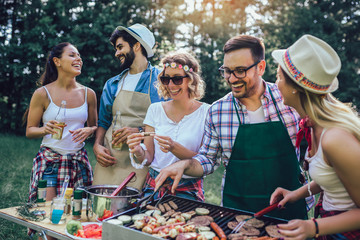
(221, 215)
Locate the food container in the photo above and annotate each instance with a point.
(99, 199)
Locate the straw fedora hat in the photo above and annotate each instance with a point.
(311, 63)
(143, 35)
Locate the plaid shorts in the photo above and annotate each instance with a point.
(51, 173)
(319, 210)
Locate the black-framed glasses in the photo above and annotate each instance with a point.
(239, 72)
(177, 80)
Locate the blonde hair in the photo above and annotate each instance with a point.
(326, 111)
(196, 84)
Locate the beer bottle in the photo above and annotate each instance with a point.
(60, 117)
(117, 124)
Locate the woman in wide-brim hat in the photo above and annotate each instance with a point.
(306, 76)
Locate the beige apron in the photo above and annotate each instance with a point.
(133, 107)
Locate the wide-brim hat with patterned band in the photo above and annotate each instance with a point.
(311, 63)
(143, 35)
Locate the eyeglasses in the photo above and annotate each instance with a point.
(239, 72)
(177, 80)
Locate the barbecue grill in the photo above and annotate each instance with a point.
(221, 215)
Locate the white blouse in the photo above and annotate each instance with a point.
(188, 132)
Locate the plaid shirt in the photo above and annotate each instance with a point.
(222, 124)
(68, 166)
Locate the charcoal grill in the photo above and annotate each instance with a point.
(221, 215)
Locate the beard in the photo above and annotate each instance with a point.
(247, 90)
(129, 59)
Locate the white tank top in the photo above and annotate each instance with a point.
(75, 119)
(336, 198)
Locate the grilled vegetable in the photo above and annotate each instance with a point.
(124, 218)
(115, 221)
(202, 211)
(138, 217)
(208, 234)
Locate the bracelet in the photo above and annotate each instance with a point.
(316, 228)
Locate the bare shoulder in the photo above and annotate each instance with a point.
(340, 144)
(335, 136)
(40, 94)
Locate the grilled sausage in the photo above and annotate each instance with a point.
(173, 205)
(167, 207)
(150, 207)
(218, 230)
(161, 207)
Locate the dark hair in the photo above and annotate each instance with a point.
(127, 38)
(255, 45)
(50, 74)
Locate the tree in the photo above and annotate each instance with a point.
(28, 30)
(335, 21)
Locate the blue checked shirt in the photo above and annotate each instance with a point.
(222, 124)
(108, 95)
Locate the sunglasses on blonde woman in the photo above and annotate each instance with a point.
(177, 80)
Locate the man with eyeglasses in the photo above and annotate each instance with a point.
(251, 131)
(131, 92)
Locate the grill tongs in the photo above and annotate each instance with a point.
(256, 215)
(146, 200)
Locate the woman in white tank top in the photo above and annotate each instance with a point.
(56, 156)
(306, 77)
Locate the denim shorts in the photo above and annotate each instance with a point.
(51, 174)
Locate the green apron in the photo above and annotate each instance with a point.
(263, 158)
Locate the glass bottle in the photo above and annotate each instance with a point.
(68, 195)
(41, 193)
(57, 210)
(77, 204)
(117, 124)
(60, 117)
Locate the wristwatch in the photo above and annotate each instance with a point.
(140, 129)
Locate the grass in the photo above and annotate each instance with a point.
(16, 155)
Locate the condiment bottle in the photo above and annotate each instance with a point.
(117, 124)
(60, 117)
(68, 195)
(77, 204)
(41, 193)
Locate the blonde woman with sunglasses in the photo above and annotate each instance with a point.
(176, 126)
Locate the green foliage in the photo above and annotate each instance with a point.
(28, 30)
(336, 22)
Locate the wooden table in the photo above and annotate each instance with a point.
(45, 226)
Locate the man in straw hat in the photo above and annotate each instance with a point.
(131, 92)
(251, 131)
(306, 77)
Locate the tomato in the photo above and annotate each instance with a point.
(107, 214)
(80, 233)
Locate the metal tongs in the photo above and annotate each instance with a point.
(256, 215)
(146, 200)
